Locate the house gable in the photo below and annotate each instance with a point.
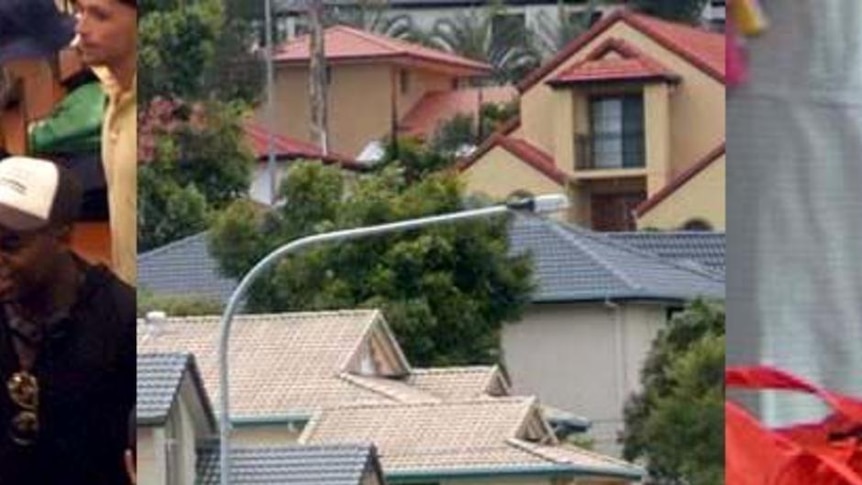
(695, 196)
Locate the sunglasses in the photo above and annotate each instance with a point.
(24, 391)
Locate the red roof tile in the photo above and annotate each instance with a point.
(615, 60)
(680, 180)
(702, 48)
(286, 147)
(346, 44)
(440, 106)
(525, 151)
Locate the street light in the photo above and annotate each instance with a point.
(532, 205)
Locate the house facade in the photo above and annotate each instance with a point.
(617, 120)
(599, 303)
(373, 83)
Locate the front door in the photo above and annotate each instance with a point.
(615, 212)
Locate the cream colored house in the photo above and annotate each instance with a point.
(628, 112)
(373, 83)
(300, 378)
(598, 305)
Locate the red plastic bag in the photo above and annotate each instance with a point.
(825, 453)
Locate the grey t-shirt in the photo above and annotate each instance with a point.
(795, 201)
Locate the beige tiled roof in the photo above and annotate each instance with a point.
(280, 364)
(393, 389)
(467, 433)
(569, 454)
(450, 383)
(479, 434)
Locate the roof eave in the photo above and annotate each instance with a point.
(645, 79)
(551, 470)
(629, 297)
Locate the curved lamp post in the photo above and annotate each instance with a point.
(533, 205)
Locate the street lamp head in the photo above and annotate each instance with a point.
(542, 204)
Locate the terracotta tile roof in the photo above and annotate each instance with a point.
(453, 383)
(680, 180)
(702, 48)
(347, 44)
(615, 60)
(290, 148)
(310, 351)
(439, 439)
(440, 106)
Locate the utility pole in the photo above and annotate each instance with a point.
(318, 76)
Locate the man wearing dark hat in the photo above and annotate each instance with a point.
(32, 28)
(67, 348)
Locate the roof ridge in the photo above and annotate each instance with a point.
(360, 381)
(481, 400)
(261, 316)
(622, 246)
(701, 270)
(599, 259)
(170, 246)
(453, 369)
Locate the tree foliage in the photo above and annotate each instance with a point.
(472, 34)
(554, 32)
(193, 164)
(446, 290)
(197, 80)
(687, 11)
(373, 16)
(198, 50)
(677, 422)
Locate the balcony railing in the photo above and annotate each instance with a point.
(608, 151)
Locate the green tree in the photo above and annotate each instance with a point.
(177, 306)
(373, 16)
(554, 32)
(480, 35)
(193, 165)
(198, 50)
(676, 423)
(446, 291)
(686, 11)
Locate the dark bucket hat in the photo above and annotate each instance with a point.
(32, 29)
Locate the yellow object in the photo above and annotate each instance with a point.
(748, 16)
(120, 160)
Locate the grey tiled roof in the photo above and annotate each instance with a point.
(158, 380)
(290, 465)
(574, 264)
(571, 264)
(183, 267)
(700, 247)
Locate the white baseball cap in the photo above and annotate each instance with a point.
(35, 193)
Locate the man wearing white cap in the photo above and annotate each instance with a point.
(67, 348)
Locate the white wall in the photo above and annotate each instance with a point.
(582, 358)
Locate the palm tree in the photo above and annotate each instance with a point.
(373, 16)
(554, 32)
(688, 11)
(472, 34)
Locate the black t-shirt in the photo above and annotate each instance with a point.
(86, 376)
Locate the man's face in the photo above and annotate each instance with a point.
(108, 32)
(26, 261)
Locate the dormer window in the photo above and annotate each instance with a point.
(617, 131)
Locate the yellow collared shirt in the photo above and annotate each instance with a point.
(120, 161)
